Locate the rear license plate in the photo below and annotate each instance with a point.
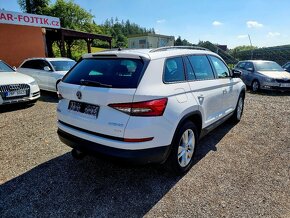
(15, 93)
(285, 84)
(84, 108)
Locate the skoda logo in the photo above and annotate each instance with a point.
(79, 95)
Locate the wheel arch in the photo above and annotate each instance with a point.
(195, 117)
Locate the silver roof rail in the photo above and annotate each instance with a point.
(178, 47)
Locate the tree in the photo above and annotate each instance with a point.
(238, 49)
(71, 15)
(34, 6)
(180, 42)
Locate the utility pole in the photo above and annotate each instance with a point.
(251, 46)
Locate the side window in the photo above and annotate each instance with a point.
(41, 64)
(27, 64)
(249, 66)
(189, 71)
(241, 65)
(174, 71)
(221, 69)
(201, 67)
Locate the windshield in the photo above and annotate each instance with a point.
(62, 65)
(268, 66)
(115, 73)
(5, 68)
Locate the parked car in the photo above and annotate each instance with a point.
(260, 74)
(145, 105)
(286, 67)
(16, 87)
(47, 71)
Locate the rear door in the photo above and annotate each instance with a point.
(91, 86)
(204, 87)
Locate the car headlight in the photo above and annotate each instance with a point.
(33, 83)
(270, 80)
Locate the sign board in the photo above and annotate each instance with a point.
(9, 17)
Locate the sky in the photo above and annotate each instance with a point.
(226, 22)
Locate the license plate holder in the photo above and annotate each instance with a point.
(15, 93)
(84, 108)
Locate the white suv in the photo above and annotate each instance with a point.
(147, 105)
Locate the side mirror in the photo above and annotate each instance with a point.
(14, 68)
(46, 68)
(236, 73)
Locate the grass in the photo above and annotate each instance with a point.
(95, 49)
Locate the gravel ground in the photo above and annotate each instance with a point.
(239, 171)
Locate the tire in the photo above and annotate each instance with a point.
(237, 116)
(78, 155)
(255, 87)
(177, 162)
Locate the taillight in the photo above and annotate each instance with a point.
(145, 108)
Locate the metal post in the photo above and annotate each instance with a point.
(251, 46)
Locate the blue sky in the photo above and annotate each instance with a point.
(219, 21)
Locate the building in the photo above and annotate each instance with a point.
(150, 41)
(25, 35)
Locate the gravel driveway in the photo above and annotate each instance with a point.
(240, 171)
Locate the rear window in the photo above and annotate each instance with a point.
(116, 73)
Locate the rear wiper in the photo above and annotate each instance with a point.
(94, 83)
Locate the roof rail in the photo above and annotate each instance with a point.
(178, 47)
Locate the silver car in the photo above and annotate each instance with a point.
(259, 74)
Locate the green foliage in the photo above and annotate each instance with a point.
(34, 6)
(71, 15)
(238, 49)
(120, 31)
(180, 42)
(228, 58)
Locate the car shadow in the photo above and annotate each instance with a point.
(271, 93)
(208, 143)
(64, 187)
(15, 107)
(49, 97)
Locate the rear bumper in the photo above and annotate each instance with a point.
(141, 156)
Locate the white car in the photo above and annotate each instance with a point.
(147, 105)
(16, 87)
(47, 71)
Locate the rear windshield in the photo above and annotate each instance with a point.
(116, 73)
